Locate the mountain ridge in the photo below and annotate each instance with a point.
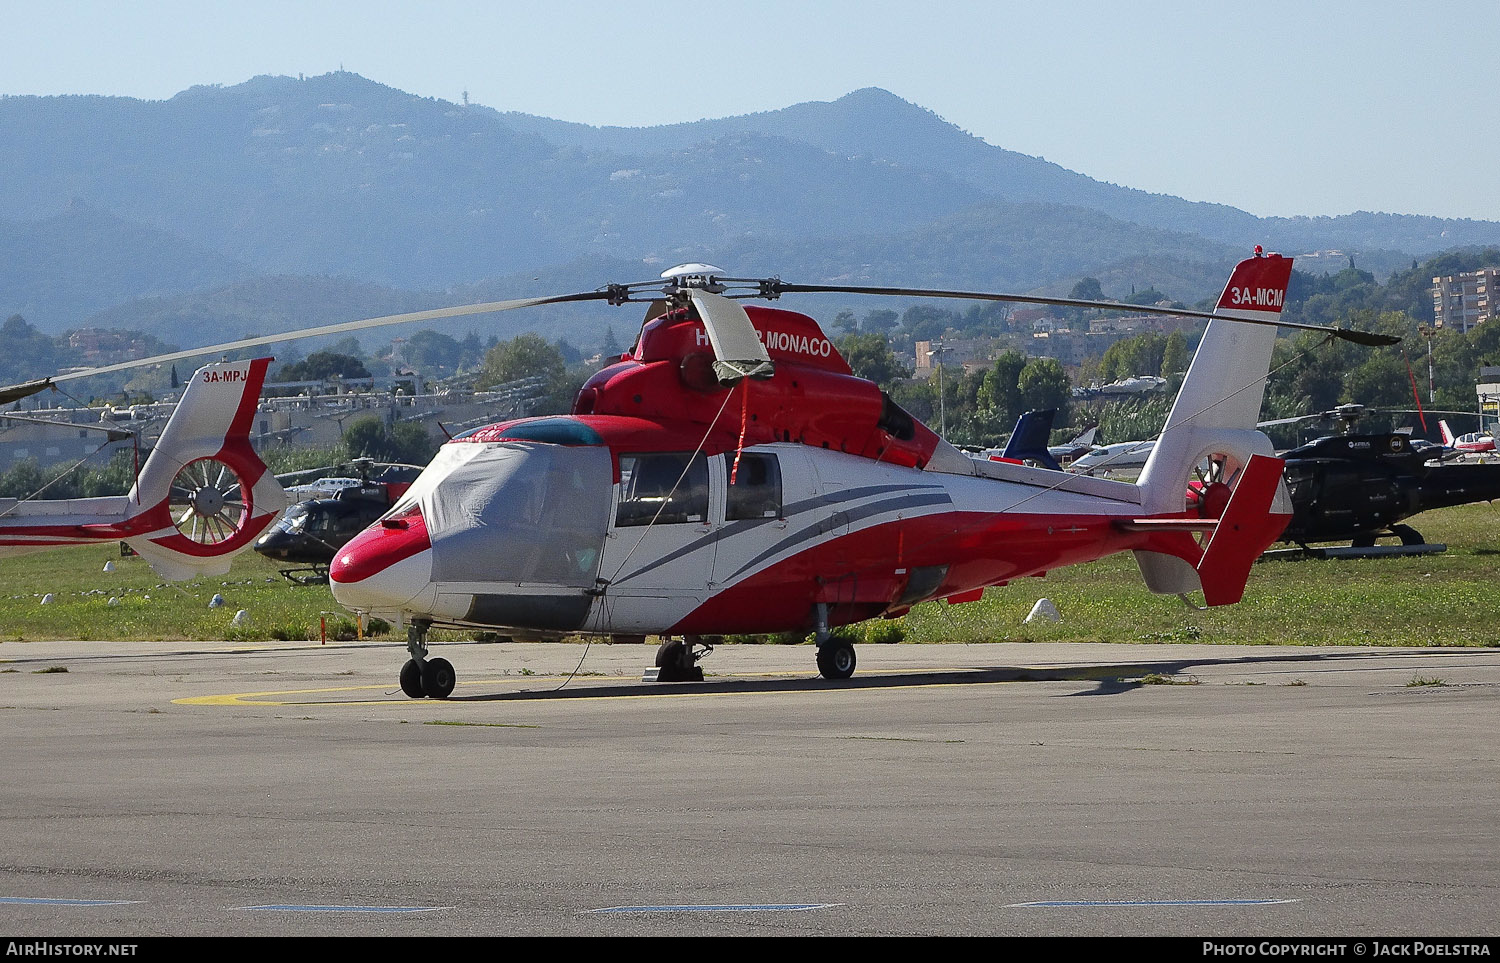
(341, 177)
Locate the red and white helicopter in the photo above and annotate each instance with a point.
(730, 475)
(202, 495)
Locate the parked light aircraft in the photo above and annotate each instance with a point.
(1069, 452)
(1109, 459)
(1474, 441)
(1028, 442)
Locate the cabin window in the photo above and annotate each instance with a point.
(662, 489)
(754, 488)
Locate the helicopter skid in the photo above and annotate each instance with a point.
(1356, 551)
(313, 575)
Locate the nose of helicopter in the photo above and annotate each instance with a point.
(385, 566)
(275, 543)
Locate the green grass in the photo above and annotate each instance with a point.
(1447, 599)
(151, 608)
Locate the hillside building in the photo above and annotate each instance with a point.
(1463, 300)
(50, 435)
(957, 352)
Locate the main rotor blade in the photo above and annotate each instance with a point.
(777, 287)
(23, 390)
(110, 434)
(738, 350)
(342, 327)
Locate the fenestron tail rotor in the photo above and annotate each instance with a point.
(208, 501)
(1215, 475)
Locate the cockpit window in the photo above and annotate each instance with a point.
(321, 523)
(662, 489)
(754, 485)
(553, 431)
(518, 513)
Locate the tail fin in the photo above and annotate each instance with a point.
(1210, 434)
(1248, 526)
(1029, 440)
(204, 494)
(1448, 438)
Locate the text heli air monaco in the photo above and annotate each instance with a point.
(798, 498)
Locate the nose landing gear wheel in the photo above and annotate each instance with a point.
(836, 660)
(438, 678)
(411, 679)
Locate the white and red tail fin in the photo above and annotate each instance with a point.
(1448, 439)
(204, 494)
(1212, 425)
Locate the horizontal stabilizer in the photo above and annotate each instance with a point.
(1167, 524)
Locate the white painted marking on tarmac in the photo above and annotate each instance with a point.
(719, 908)
(38, 901)
(319, 908)
(1152, 902)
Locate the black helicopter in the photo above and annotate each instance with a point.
(311, 531)
(1344, 487)
(1360, 487)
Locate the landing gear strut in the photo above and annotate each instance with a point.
(422, 676)
(1409, 536)
(835, 654)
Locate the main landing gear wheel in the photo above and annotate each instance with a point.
(438, 678)
(676, 662)
(836, 659)
(411, 679)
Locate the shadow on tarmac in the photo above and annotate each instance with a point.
(1111, 679)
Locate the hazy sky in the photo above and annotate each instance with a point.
(1307, 107)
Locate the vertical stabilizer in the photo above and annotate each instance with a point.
(1210, 434)
(1028, 442)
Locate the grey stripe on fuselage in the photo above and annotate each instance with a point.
(858, 514)
(913, 497)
